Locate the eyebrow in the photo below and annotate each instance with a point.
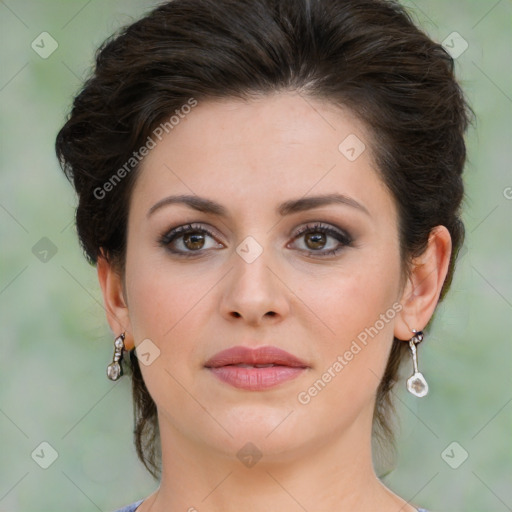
(204, 205)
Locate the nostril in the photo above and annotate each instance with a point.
(236, 314)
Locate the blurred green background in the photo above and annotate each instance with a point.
(56, 342)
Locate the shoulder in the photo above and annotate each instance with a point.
(130, 508)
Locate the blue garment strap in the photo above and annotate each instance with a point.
(130, 508)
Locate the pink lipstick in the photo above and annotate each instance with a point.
(255, 369)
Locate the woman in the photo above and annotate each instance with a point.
(271, 192)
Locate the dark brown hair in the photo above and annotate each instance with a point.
(365, 55)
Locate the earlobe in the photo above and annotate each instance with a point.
(424, 285)
(114, 300)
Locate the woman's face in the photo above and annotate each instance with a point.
(294, 245)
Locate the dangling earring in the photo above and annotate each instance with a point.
(114, 370)
(416, 383)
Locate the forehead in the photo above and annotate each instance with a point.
(260, 151)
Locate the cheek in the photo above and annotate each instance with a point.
(159, 296)
(359, 308)
(164, 309)
(353, 299)
(169, 306)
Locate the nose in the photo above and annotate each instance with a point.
(253, 292)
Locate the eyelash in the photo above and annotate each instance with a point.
(176, 233)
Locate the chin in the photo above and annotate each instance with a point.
(277, 432)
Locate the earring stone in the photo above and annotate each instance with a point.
(416, 383)
(114, 369)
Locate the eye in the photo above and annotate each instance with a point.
(188, 239)
(322, 240)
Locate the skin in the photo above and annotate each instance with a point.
(250, 156)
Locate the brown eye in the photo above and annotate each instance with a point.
(321, 240)
(189, 240)
(315, 240)
(193, 241)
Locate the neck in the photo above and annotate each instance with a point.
(334, 473)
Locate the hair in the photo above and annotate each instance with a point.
(367, 56)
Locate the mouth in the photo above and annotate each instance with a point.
(255, 369)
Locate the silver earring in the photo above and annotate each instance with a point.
(114, 370)
(416, 383)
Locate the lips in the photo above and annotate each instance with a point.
(255, 369)
(261, 356)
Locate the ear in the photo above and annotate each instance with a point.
(421, 293)
(112, 287)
